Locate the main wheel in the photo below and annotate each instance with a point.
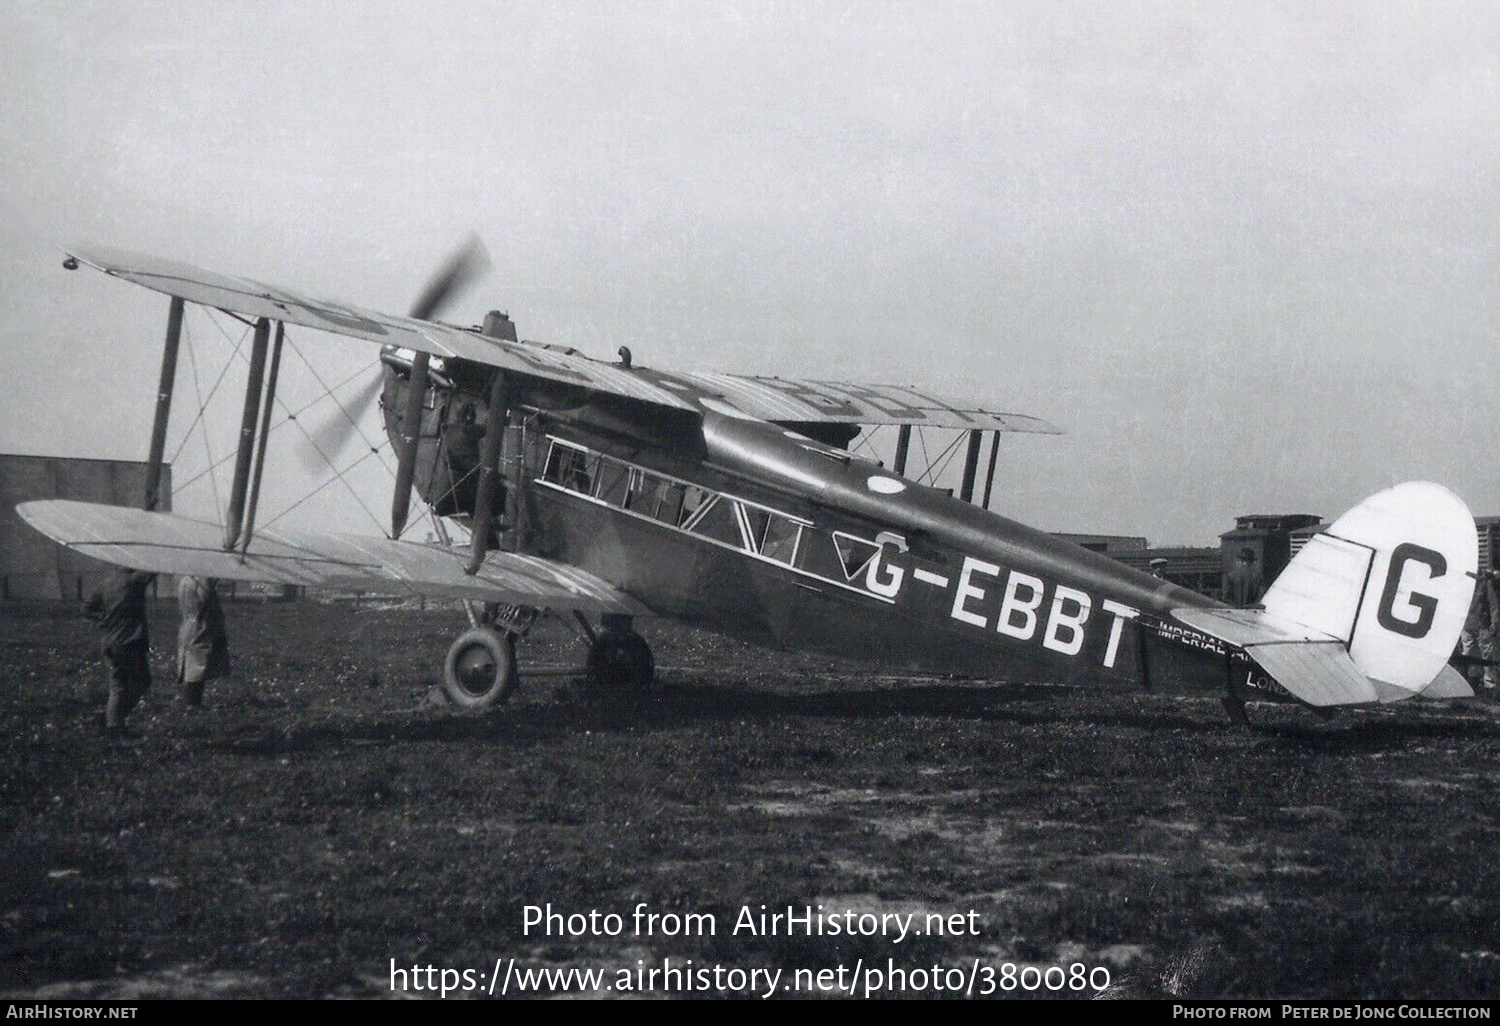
(480, 671)
(621, 659)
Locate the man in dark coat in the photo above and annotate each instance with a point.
(1243, 584)
(202, 642)
(119, 607)
(1477, 639)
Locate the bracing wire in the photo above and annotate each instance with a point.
(202, 402)
(291, 417)
(865, 443)
(198, 420)
(328, 391)
(339, 476)
(945, 456)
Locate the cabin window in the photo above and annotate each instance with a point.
(571, 468)
(669, 501)
(717, 519)
(756, 520)
(614, 482)
(697, 510)
(694, 500)
(854, 554)
(781, 538)
(637, 492)
(654, 496)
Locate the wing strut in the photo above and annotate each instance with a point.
(265, 431)
(989, 477)
(971, 465)
(494, 434)
(163, 403)
(406, 459)
(234, 515)
(903, 445)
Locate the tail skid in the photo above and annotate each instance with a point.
(1370, 610)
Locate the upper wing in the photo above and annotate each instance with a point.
(784, 400)
(257, 299)
(164, 543)
(802, 401)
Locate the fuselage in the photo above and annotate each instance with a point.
(764, 533)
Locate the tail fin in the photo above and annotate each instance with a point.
(1392, 579)
(1390, 582)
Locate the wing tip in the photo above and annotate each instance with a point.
(100, 258)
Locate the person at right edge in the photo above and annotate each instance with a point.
(202, 641)
(118, 606)
(1477, 639)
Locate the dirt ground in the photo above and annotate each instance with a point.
(319, 819)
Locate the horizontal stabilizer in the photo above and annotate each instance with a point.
(1309, 664)
(1241, 627)
(1318, 672)
(170, 544)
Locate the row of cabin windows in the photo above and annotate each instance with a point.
(688, 507)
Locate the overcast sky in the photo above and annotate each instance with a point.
(1244, 252)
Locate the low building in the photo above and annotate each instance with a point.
(31, 565)
(1275, 538)
(1269, 536)
(1109, 544)
(1489, 542)
(1198, 568)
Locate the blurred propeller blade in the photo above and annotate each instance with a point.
(468, 262)
(336, 431)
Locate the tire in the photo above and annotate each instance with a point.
(621, 660)
(480, 671)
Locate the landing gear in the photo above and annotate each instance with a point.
(619, 658)
(480, 671)
(1235, 707)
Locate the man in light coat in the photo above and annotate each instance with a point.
(202, 642)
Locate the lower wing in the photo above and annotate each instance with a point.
(164, 543)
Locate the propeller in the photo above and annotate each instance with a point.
(338, 428)
(467, 264)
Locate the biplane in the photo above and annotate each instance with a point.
(604, 491)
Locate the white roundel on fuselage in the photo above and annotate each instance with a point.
(885, 485)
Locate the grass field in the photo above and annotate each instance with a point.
(319, 819)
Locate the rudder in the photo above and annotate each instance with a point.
(1392, 579)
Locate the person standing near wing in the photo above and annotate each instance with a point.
(202, 642)
(119, 608)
